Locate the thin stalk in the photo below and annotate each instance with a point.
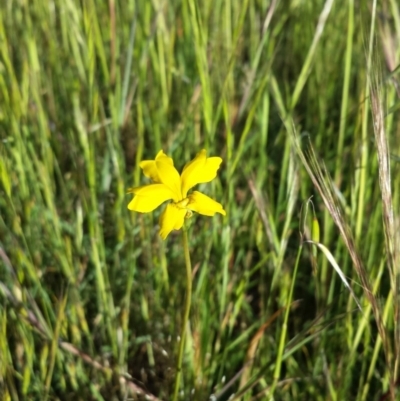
(345, 92)
(282, 340)
(186, 312)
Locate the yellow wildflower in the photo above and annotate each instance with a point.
(168, 184)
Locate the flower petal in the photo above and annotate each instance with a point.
(148, 197)
(201, 169)
(203, 204)
(149, 166)
(172, 218)
(170, 178)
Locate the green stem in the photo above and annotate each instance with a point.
(282, 340)
(185, 313)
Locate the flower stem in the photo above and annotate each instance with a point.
(185, 313)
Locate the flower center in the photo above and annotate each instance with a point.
(183, 205)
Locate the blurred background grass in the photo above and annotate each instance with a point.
(91, 297)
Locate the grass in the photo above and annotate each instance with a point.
(300, 99)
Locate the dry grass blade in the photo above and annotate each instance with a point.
(391, 233)
(382, 149)
(31, 319)
(338, 270)
(262, 205)
(254, 344)
(124, 379)
(322, 181)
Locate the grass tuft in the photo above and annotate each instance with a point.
(289, 94)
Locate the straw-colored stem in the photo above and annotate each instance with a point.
(185, 313)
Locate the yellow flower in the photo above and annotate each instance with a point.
(168, 184)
